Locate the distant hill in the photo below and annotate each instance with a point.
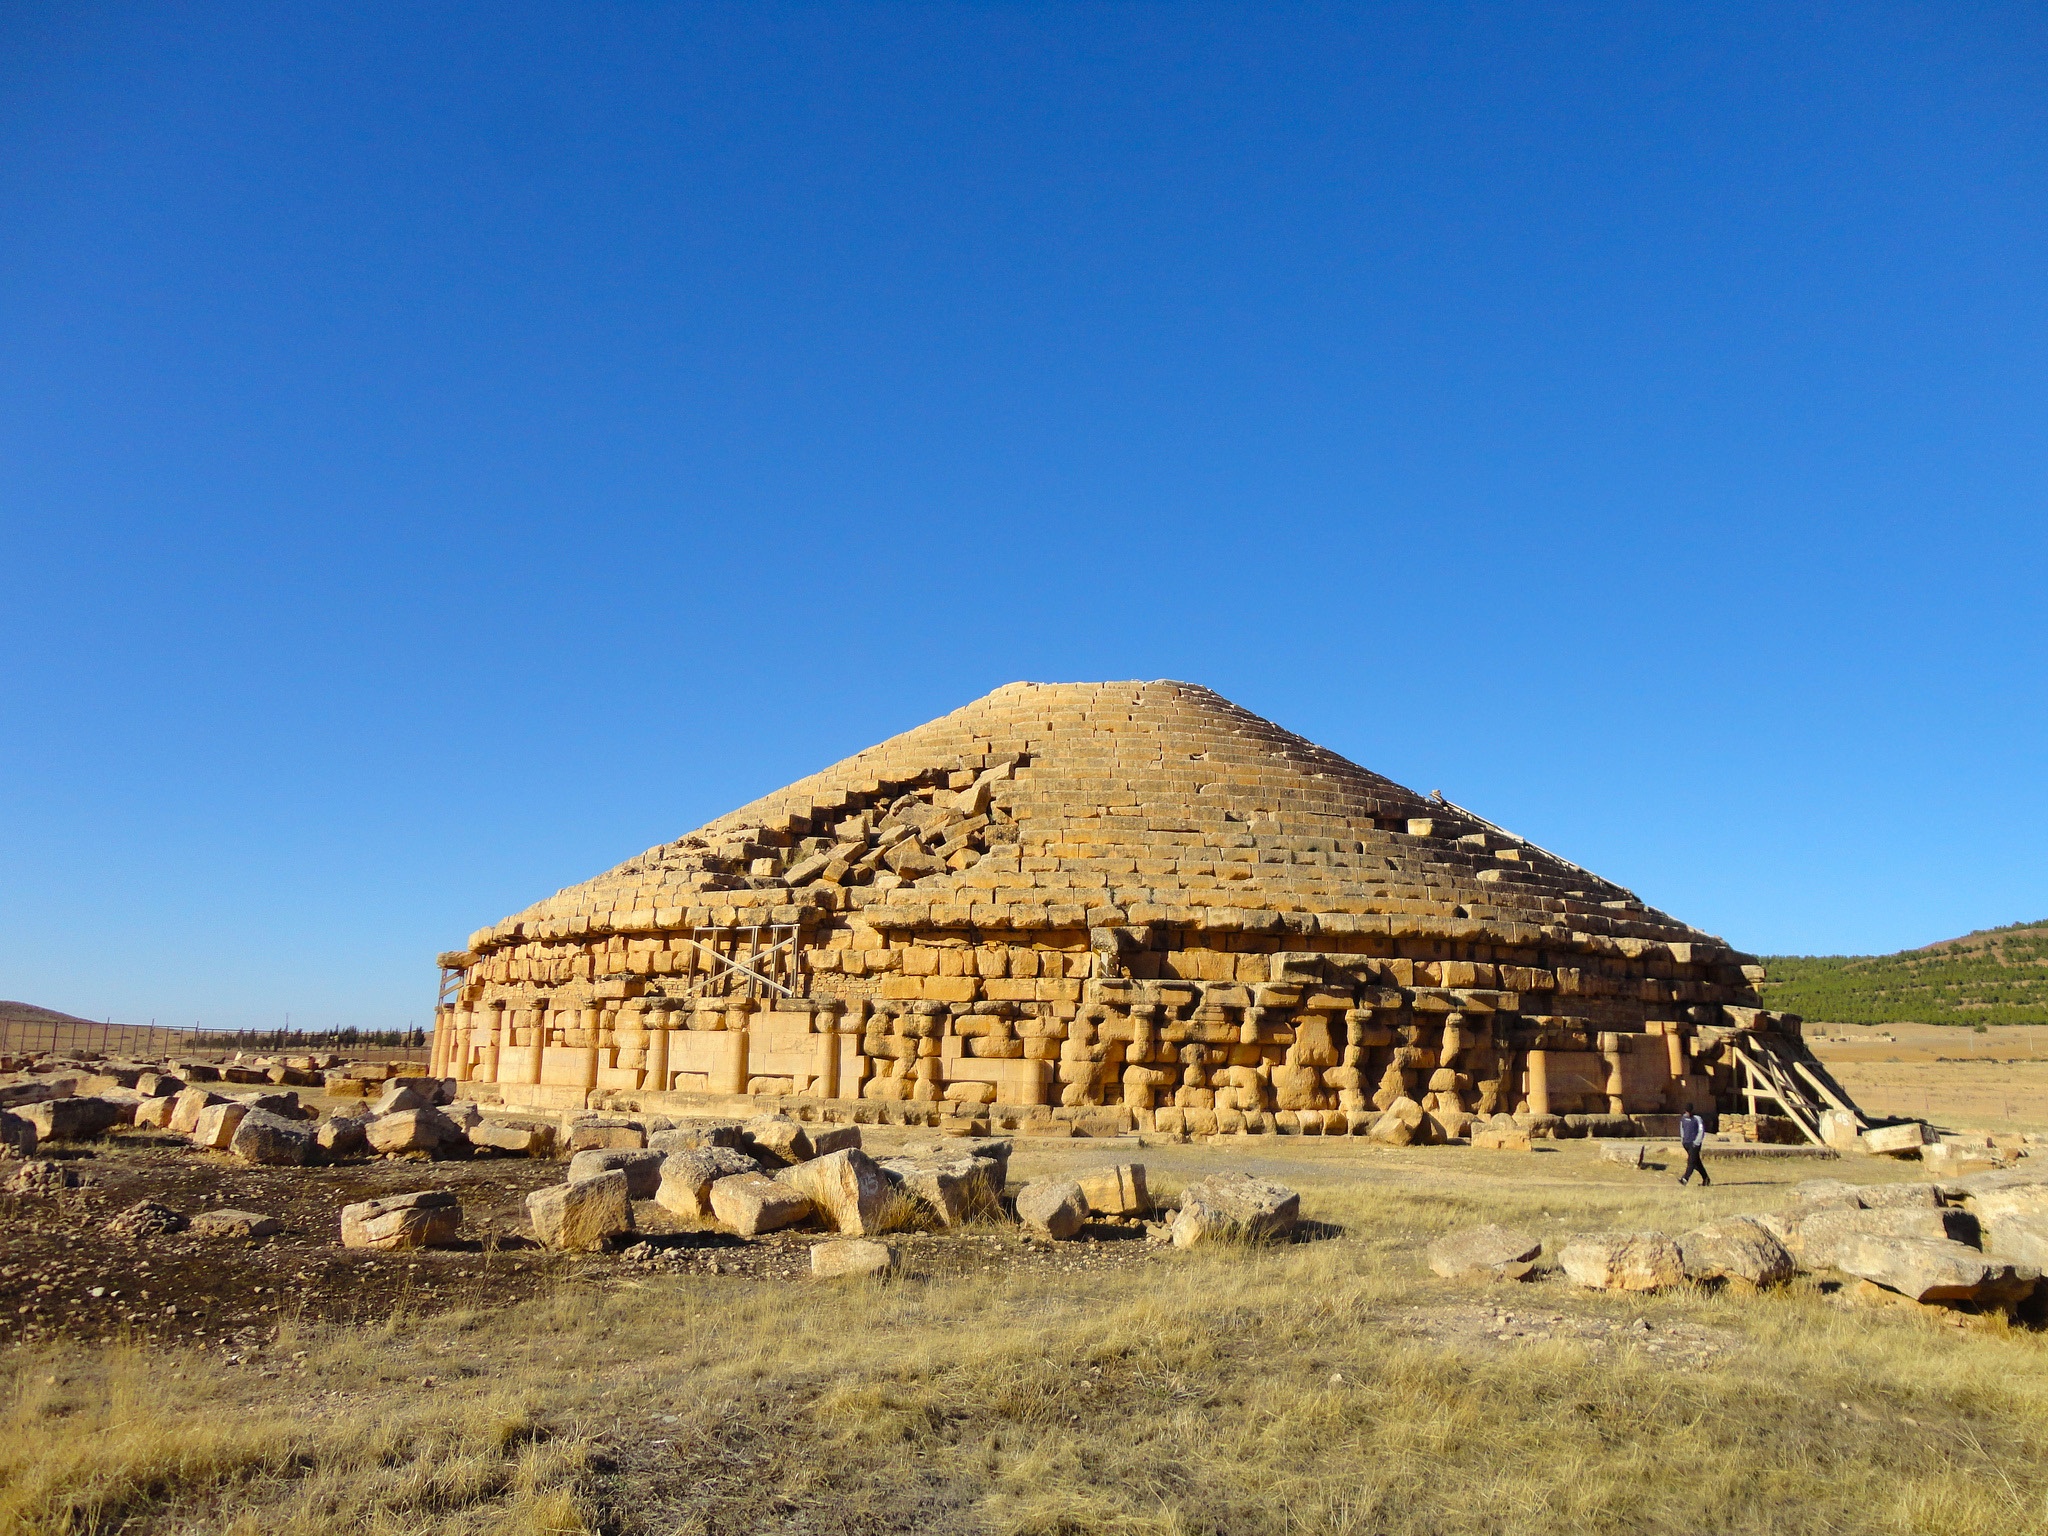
(1995, 976)
(29, 1013)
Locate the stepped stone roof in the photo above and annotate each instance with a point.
(1120, 803)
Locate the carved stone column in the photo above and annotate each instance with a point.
(655, 1078)
(539, 1043)
(494, 1040)
(733, 1073)
(825, 1072)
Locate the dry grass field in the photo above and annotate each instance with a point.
(1996, 1080)
(1330, 1385)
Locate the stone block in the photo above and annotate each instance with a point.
(1237, 1207)
(693, 1134)
(847, 1190)
(74, 1119)
(186, 1106)
(827, 1139)
(1622, 1261)
(341, 1138)
(1928, 1269)
(1814, 1238)
(955, 1190)
(1739, 1250)
(397, 1097)
(243, 1224)
(777, 1140)
(155, 1114)
(1485, 1253)
(1838, 1129)
(851, 1258)
(753, 1203)
(1400, 1125)
(521, 1139)
(1053, 1208)
(1496, 1139)
(688, 1174)
(1897, 1140)
(413, 1130)
(578, 1217)
(217, 1123)
(272, 1141)
(1118, 1190)
(429, 1218)
(640, 1165)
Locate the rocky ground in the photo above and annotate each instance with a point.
(71, 1270)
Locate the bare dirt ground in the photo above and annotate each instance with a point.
(1956, 1078)
(1000, 1385)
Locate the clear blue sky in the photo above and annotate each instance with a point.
(447, 449)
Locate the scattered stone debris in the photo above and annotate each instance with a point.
(146, 1218)
(41, 1176)
(1978, 1244)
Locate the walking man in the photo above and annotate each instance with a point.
(1692, 1132)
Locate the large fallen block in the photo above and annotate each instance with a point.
(217, 1123)
(753, 1203)
(1897, 1140)
(342, 1137)
(1622, 1261)
(694, 1135)
(1814, 1238)
(186, 1107)
(577, 1217)
(1053, 1208)
(1400, 1125)
(1485, 1253)
(688, 1174)
(154, 1114)
(1928, 1269)
(413, 1130)
(1739, 1250)
(2015, 1224)
(778, 1140)
(272, 1141)
(851, 1257)
(521, 1139)
(641, 1166)
(954, 1191)
(1118, 1190)
(74, 1119)
(846, 1189)
(425, 1219)
(1235, 1207)
(585, 1132)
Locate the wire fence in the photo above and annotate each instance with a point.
(149, 1042)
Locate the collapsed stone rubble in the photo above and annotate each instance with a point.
(1976, 1243)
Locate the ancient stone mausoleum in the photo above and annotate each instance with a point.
(1112, 904)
